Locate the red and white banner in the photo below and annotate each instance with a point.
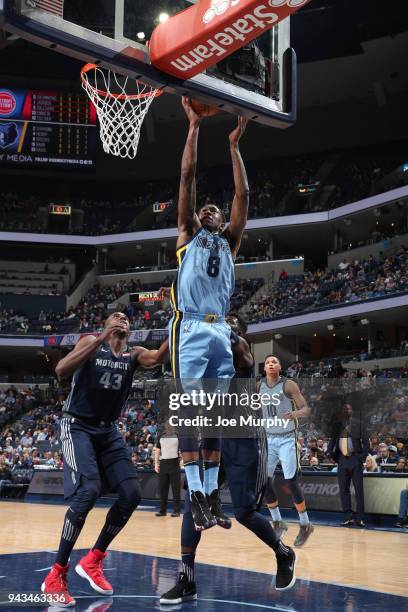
(199, 37)
(56, 7)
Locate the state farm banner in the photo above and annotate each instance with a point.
(140, 336)
(199, 37)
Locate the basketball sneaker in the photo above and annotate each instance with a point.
(280, 528)
(55, 584)
(214, 502)
(90, 567)
(305, 531)
(285, 574)
(182, 591)
(202, 517)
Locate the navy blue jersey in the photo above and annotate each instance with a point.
(101, 387)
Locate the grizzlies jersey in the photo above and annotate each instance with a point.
(279, 404)
(205, 279)
(101, 387)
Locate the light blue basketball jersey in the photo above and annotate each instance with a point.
(205, 279)
(278, 406)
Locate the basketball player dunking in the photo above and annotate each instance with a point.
(244, 461)
(93, 448)
(282, 443)
(199, 335)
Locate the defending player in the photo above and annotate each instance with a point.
(244, 461)
(199, 335)
(286, 402)
(94, 451)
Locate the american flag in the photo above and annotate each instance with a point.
(56, 7)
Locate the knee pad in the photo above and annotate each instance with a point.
(295, 489)
(129, 495)
(86, 495)
(243, 515)
(270, 494)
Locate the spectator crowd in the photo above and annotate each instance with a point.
(274, 192)
(352, 281)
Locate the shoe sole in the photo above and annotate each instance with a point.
(206, 526)
(304, 542)
(292, 582)
(60, 605)
(81, 572)
(179, 600)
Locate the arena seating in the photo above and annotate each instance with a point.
(350, 175)
(351, 282)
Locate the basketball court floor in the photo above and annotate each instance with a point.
(338, 569)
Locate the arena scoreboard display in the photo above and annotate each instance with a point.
(47, 128)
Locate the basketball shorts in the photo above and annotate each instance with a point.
(244, 461)
(199, 349)
(283, 449)
(98, 453)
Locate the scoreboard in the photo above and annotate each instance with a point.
(47, 128)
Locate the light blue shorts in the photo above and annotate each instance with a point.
(283, 449)
(199, 349)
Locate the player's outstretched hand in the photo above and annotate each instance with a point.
(236, 134)
(190, 112)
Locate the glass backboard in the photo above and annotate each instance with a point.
(258, 81)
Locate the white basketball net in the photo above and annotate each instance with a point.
(120, 114)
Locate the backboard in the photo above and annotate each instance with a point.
(258, 81)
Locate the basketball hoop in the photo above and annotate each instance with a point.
(120, 113)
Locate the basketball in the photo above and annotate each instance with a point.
(204, 110)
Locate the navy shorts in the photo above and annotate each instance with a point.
(245, 466)
(98, 453)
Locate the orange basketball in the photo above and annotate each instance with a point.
(204, 110)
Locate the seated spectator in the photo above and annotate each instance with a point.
(403, 509)
(384, 457)
(314, 463)
(370, 465)
(401, 465)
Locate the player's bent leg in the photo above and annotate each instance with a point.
(273, 505)
(82, 502)
(185, 588)
(285, 556)
(90, 567)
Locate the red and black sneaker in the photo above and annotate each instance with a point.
(55, 585)
(90, 567)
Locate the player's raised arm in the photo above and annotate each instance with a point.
(83, 351)
(151, 359)
(188, 222)
(240, 203)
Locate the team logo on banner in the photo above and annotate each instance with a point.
(8, 103)
(218, 7)
(8, 135)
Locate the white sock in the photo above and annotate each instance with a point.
(275, 514)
